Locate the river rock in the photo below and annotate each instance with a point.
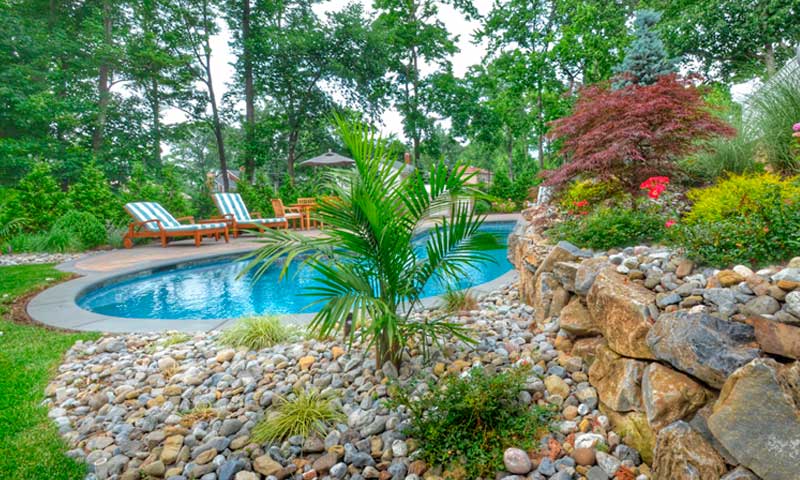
(683, 454)
(702, 345)
(668, 395)
(516, 461)
(617, 380)
(756, 418)
(620, 308)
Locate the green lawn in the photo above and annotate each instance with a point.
(30, 447)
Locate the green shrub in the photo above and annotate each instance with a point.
(482, 207)
(455, 301)
(258, 196)
(592, 191)
(744, 219)
(83, 226)
(38, 199)
(611, 227)
(53, 241)
(256, 333)
(305, 413)
(92, 194)
(749, 194)
(470, 420)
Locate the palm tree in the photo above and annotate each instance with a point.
(370, 276)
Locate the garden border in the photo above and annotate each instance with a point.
(57, 307)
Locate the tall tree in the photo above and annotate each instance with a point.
(199, 24)
(300, 60)
(239, 14)
(646, 58)
(732, 40)
(416, 38)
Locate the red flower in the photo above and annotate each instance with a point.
(670, 223)
(655, 186)
(582, 203)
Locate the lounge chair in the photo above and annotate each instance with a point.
(234, 211)
(289, 213)
(151, 220)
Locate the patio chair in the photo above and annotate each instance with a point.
(235, 212)
(151, 220)
(289, 213)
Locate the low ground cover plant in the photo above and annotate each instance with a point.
(609, 227)
(469, 420)
(750, 218)
(459, 301)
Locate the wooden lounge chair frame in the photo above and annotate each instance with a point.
(253, 220)
(194, 229)
(289, 213)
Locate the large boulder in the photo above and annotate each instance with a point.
(545, 288)
(668, 395)
(586, 348)
(617, 380)
(620, 308)
(683, 454)
(757, 418)
(576, 319)
(777, 338)
(587, 272)
(702, 345)
(562, 252)
(565, 273)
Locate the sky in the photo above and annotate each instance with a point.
(469, 54)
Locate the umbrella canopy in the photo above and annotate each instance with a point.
(329, 159)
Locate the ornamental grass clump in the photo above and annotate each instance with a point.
(459, 301)
(304, 413)
(256, 333)
(469, 420)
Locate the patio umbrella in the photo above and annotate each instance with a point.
(329, 159)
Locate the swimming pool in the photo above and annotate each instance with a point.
(211, 289)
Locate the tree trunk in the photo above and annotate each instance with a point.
(155, 107)
(540, 114)
(769, 59)
(103, 83)
(250, 115)
(417, 114)
(510, 152)
(293, 137)
(223, 163)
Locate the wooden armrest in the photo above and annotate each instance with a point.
(294, 209)
(190, 218)
(139, 225)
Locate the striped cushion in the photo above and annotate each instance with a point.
(196, 226)
(232, 203)
(144, 211)
(267, 220)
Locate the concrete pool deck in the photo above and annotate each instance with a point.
(56, 306)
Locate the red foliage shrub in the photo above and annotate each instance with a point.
(634, 132)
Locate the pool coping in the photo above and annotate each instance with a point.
(57, 305)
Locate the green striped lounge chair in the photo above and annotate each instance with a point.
(235, 212)
(151, 220)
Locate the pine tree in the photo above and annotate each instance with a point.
(645, 58)
(93, 194)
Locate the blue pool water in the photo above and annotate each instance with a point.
(212, 290)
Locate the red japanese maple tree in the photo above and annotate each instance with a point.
(633, 133)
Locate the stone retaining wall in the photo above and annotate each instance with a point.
(696, 367)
